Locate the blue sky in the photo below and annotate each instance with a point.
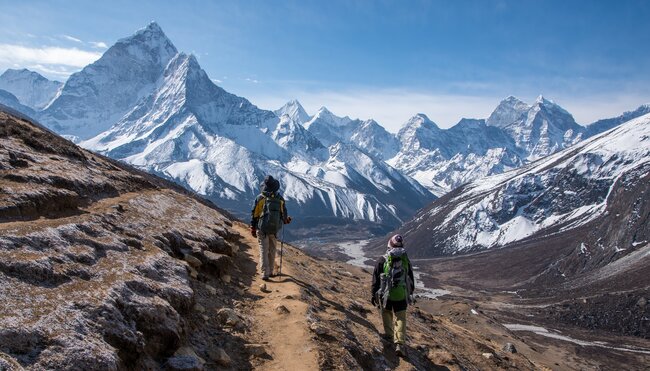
(370, 59)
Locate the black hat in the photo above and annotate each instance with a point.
(270, 184)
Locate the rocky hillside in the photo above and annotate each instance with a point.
(103, 267)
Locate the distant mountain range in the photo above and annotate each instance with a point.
(145, 103)
(601, 181)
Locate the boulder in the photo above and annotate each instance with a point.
(319, 329)
(256, 350)
(228, 317)
(219, 262)
(193, 261)
(211, 289)
(510, 348)
(220, 356)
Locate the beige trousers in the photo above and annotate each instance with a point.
(267, 245)
(395, 329)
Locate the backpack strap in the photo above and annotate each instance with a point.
(259, 206)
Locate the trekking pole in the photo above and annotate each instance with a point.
(281, 250)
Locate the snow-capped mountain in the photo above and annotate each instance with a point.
(606, 124)
(442, 160)
(365, 135)
(144, 103)
(220, 145)
(558, 193)
(515, 134)
(30, 88)
(295, 111)
(98, 96)
(541, 129)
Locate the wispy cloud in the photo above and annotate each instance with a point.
(98, 44)
(71, 38)
(18, 54)
(254, 81)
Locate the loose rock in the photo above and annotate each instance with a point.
(510, 348)
(318, 329)
(228, 317)
(282, 309)
(220, 356)
(256, 350)
(193, 261)
(211, 289)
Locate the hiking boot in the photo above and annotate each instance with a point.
(265, 278)
(400, 350)
(386, 338)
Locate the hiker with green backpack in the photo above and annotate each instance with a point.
(268, 214)
(392, 291)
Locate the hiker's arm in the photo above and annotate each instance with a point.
(255, 213)
(285, 215)
(411, 277)
(375, 276)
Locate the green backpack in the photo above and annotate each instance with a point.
(396, 270)
(271, 219)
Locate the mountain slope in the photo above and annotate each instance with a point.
(221, 146)
(442, 160)
(106, 267)
(295, 111)
(367, 136)
(603, 125)
(31, 89)
(95, 98)
(541, 129)
(560, 192)
(9, 100)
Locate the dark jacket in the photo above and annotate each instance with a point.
(376, 284)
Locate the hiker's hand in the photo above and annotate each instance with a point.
(373, 301)
(287, 220)
(253, 231)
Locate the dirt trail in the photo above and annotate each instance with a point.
(284, 333)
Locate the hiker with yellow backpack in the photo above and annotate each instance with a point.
(392, 292)
(268, 214)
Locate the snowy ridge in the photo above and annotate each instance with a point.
(295, 111)
(562, 191)
(220, 145)
(144, 103)
(442, 160)
(98, 96)
(30, 88)
(9, 100)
